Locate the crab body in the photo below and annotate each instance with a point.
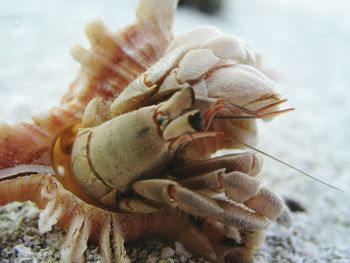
(133, 139)
(102, 156)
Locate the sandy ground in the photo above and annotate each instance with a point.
(307, 44)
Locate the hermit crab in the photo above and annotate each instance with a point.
(129, 153)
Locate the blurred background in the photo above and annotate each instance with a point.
(306, 46)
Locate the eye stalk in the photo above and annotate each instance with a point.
(189, 122)
(175, 117)
(179, 103)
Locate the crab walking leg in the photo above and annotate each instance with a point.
(242, 242)
(271, 205)
(174, 195)
(247, 162)
(216, 232)
(245, 253)
(196, 67)
(187, 63)
(241, 188)
(233, 174)
(109, 230)
(237, 186)
(171, 227)
(135, 205)
(237, 176)
(219, 66)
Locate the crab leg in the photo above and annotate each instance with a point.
(234, 174)
(237, 186)
(271, 205)
(246, 162)
(242, 188)
(79, 219)
(245, 241)
(174, 195)
(109, 230)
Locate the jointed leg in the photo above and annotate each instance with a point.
(168, 192)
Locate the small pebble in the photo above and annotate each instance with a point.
(167, 252)
(180, 249)
(23, 250)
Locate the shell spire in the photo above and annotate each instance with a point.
(115, 59)
(162, 16)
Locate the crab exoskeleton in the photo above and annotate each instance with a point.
(133, 139)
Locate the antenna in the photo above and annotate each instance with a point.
(262, 113)
(288, 165)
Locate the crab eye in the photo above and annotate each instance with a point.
(197, 121)
(189, 122)
(162, 120)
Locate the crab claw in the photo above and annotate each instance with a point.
(178, 123)
(242, 85)
(242, 94)
(176, 105)
(148, 136)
